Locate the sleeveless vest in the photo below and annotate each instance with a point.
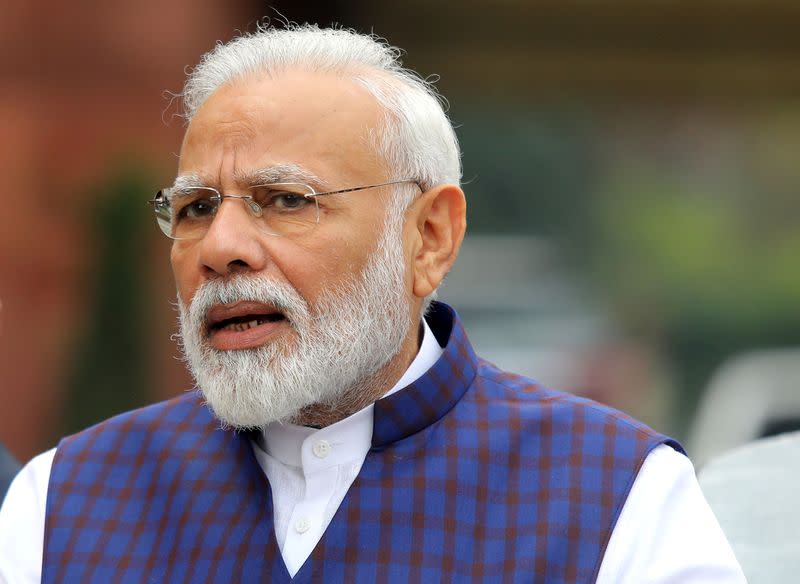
(474, 475)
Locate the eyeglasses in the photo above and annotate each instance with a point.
(285, 209)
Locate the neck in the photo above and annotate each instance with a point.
(365, 392)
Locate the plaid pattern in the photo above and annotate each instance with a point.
(475, 475)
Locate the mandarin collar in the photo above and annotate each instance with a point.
(291, 443)
(430, 397)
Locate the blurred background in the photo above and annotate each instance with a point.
(631, 170)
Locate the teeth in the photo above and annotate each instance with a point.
(242, 326)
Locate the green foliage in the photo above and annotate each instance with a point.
(693, 241)
(697, 274)
(527, 172)
(696, 256)
(110, 363)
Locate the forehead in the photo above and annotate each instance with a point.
(318, 121)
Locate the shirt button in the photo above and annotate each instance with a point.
(321, 448)
(302, 525)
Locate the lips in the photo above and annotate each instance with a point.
(243, 325)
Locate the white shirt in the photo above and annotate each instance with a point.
(665, 534)
(310, 471)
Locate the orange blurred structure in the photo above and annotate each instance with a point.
(78, 89)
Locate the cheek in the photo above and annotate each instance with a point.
(312, 274)
(327, 263)
(187, 279)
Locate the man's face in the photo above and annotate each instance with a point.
(329, 278)
(316, 122)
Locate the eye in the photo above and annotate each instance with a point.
(193, 205)
(197, 210)
(285, 201)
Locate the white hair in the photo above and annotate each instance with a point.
(416, 140)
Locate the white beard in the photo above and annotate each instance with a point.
(340, 344)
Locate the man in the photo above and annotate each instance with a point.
(345, 438)
(753, 489)
(8, 468)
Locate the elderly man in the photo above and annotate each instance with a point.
(339, 435)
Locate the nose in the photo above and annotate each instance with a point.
(233, 241)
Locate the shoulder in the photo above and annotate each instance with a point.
(765, 470)
(559, 411)
(184, 414)
(8, 469)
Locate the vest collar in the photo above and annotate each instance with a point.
(430, 397)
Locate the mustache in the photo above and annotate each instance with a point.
(241, 288)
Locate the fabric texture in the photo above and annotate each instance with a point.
(474, 475)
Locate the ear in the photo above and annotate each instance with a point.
(440, 222)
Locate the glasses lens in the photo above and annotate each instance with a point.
(163, 213)
(191, 212)
(279, 209)
(287, 208)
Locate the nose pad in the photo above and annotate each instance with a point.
(257, 209)
(254, 207)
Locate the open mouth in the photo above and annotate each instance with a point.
(245, 322)
(243, 325)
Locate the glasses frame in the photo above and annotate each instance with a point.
(162, 198)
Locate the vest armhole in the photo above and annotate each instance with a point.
(45, 577)
(652, 444)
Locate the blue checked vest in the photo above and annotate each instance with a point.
(474, 475)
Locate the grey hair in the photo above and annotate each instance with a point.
(416, 139)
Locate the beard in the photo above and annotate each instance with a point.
(339, 347)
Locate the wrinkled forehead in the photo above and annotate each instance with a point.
(311, 120)
(276, 173)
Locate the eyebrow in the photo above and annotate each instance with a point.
(278, 173)
(281, 173)
(187, 181)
